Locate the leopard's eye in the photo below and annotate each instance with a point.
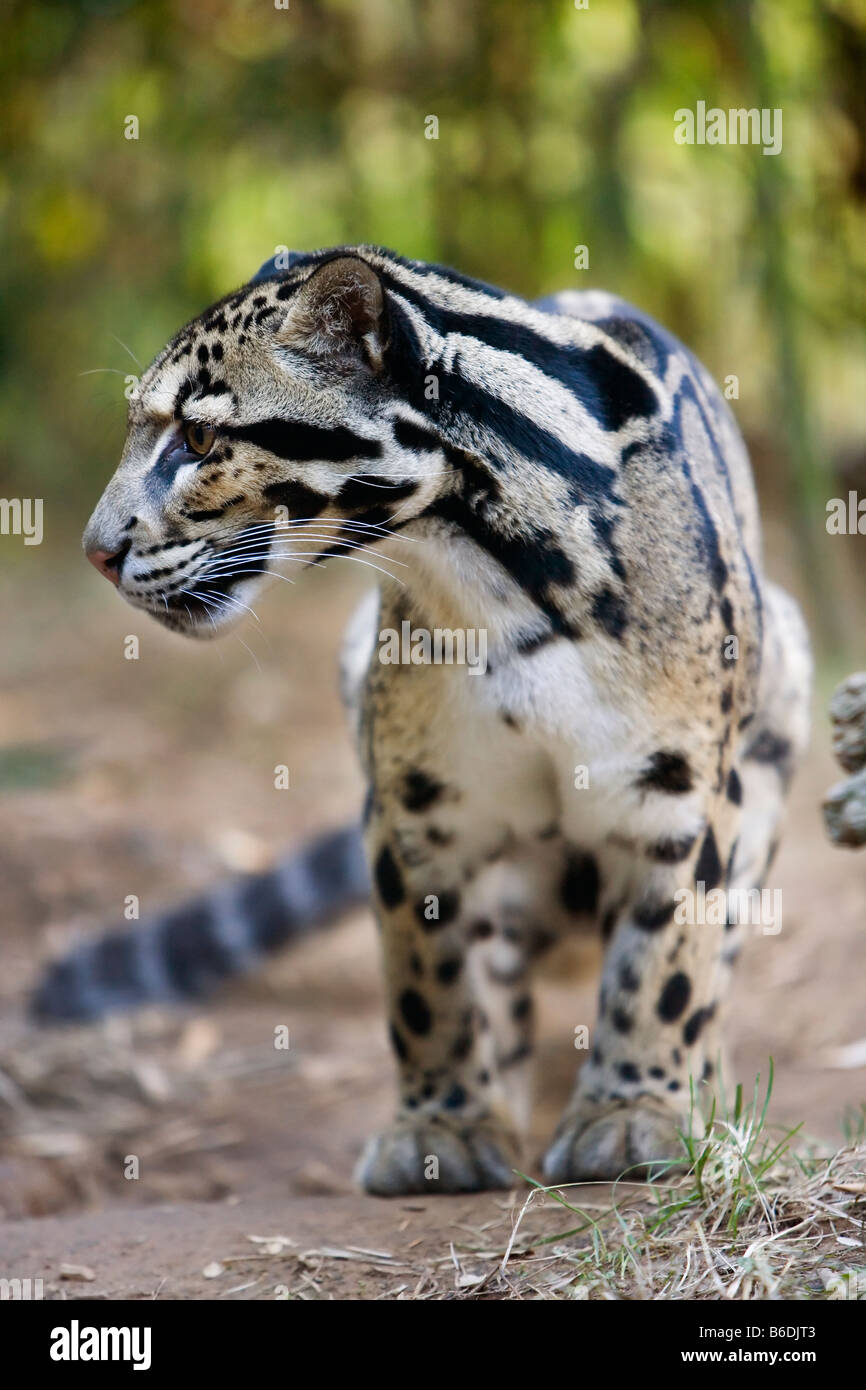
(199, 438)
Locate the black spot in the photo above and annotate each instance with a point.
(531, 642)
(481, 930)
(628, 979)
(297, 498)
(650, 916)
(416, 964)
(206, 515)
(735, 787)
(657, 1072)
(398, 1043)
(666, 772)
(716, 566)
(609, 610)
(628, 1071)
(608, 922)
(672, 850)
(708, 869)
(361, 491)
(416, 1013)
(389, 880)
(708, 1071)
(455, 1098)
(439, 837)
(448, 970)
(770, 748)
(412, 436)
(694, 1024)
(462, 1047)
(622, 393)
(673, 1085)
(727, 700)
(420, 791)
(674, 998)
(622, 1021)
(517, 1054)
(727, 612)
(521, 1009)
(580, 885)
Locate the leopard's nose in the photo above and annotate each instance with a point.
(108, 564)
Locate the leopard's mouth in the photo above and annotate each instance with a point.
(202, 611)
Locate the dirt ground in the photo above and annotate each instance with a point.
(150, 777)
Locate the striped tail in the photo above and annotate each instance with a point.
(186, 952)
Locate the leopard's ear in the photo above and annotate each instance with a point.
(338, 312)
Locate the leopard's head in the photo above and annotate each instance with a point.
(269, 433)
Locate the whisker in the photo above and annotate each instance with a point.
(127, 349)
(317, 555)
(264, 544)
(235, 562)
(247, 550)
(251, 652)
(374, 529)
(221, 601)
(200, 599)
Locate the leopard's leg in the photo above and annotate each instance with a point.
(519, 918)
(456, 1024)
(669, 958)
(661, 986)
(453, 1131)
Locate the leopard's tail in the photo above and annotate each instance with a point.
(185, 952)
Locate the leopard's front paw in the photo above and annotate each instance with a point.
(435, 1154)
(612, 1139)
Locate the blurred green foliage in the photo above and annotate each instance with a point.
(261, 126)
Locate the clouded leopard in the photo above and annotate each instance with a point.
(579, 492)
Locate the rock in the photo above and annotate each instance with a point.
(845, 811)
(848, 713)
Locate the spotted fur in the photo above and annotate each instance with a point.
(571, 482)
